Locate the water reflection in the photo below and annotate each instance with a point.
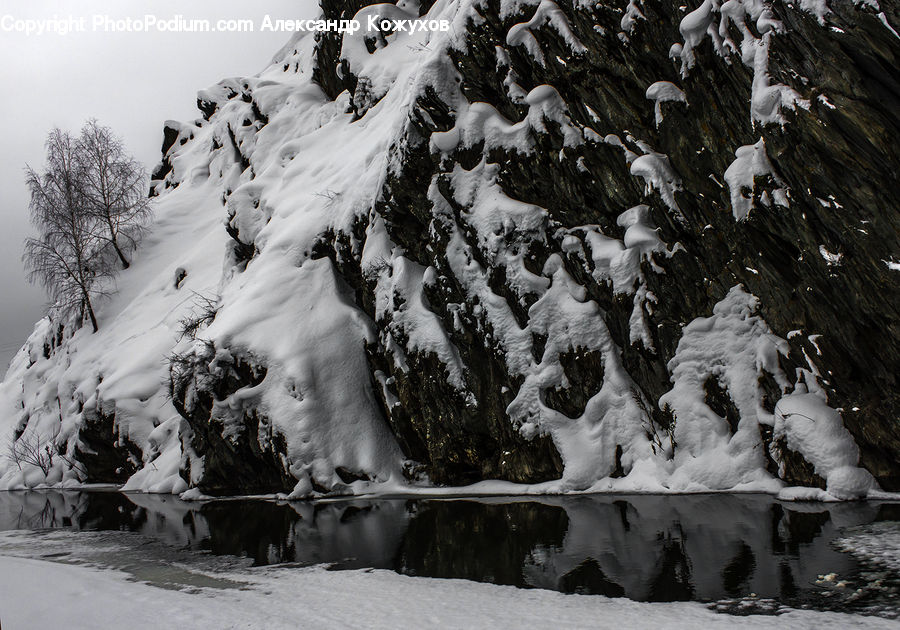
(648, 548)
(483, 541)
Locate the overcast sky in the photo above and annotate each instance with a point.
(131, 82)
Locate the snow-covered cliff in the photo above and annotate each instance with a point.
(561, 246)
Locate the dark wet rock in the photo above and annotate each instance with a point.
(242, 453)
(459, 442)
(794, 468)
(180, 275)
(720, 402)
(170, 135)
(103, 453)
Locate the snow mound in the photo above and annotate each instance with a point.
(815, 430)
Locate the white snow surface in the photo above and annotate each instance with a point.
(36, 594)
(664, 92)
(733, 347)
(813, 428)
(751, 161)
(315, 170)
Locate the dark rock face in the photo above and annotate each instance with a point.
(104, 455)
(460, 444)
(455, 441)
(170, 135)
(846, 151)
(241, 452)
(836, 155)
(795, 469)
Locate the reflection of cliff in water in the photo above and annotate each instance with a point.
(695, 547)
(650, 548)
(352, 534)
(484, 541)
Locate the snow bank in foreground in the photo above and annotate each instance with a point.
(83, 597)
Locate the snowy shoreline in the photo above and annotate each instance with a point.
(483, 489)
(88, 597)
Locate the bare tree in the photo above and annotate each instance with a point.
(65, 257)
(90, 209)
(113, 189)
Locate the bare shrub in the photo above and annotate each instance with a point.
(33, 449)
(203, 314)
